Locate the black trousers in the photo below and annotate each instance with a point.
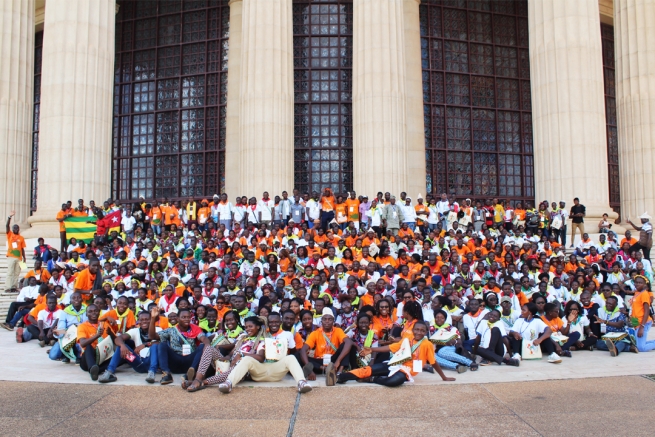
(326, 218)
(637, 247)
(547, 347)
(495, 351)
(380, 374)
(13, 309)
(350, 360)
(34, 330)
(89, 360)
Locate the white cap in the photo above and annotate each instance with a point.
(327, 312)
(215, 195)
(645, 216)
(419, 196)
(476, 277)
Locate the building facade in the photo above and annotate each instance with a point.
(515, 99)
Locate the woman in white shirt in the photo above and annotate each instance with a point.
(533, 332)
(489, 343)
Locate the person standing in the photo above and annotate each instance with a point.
(328, 204)
(645, 235)
(15, 253)
(443, 209)
(313, 209)
(409, 213)
(578, 212)
(62, 215)
(392, 216)
(564, 214)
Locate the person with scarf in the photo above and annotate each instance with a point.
(134, 348)
(73, 315)
(613, 320)
(268, 370)
(180, 347)
(490, 341)
(447, 355)
(168, 302)
(422, 353)
(42, 327)
(89, 334)
(120, 319)
(249, 344)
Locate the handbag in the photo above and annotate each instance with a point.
(403, 354)
(67, 342)
(557, 222)
(443, 337)
(530, 351)
(275, 349)
(104, 350)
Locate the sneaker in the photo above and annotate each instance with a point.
(566, 354)
(517, 356)
(330, 375)
(150, 379)
(304, 387)
(19, 335)
(611, 347)
(634, 349)
(226, 387)
(65, 360)
(107, 376)
(461, 368)
(7, 326)
(167, 378)
(513, 362)
(554, 358)
(93, 371)
(42, 343)
(77, 361)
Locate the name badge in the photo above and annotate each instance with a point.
(603, 328)
(14, 245)
(417, 366)
(352, 209)
(186, 350)
(394, 214)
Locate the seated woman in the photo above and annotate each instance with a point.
(614, 321)
(531, 329)
(363, 336)
(489, 341)
(447, 355)
(422, 352)
(250, 344)
(557, 326)
(580, 335)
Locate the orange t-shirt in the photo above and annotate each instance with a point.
(632, 241)
(638, 302)
(88, 330)
(555, 325)
(34, 312)
(379, 324)
(340, 211)
(15, 245)
(316, 341)
(352, 210)
(123, 324)
(85, 280)
(42, 275)
(424, 352)
(327, 203)
(408, 330)
(60, 215)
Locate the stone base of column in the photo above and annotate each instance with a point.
(42, 225)
(594, 215)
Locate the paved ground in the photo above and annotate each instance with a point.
(618, 406)
(590, 394)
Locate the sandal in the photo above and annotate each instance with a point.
(194, 388)
(185, 383)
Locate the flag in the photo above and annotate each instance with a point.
(78, 228)
(112, 221)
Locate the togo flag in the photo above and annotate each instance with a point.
(78, 228)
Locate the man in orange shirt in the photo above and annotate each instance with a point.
(331, 346)
(352, 209)
(15, 253)
(422, 353)
(328, 204)
(85, 281)
(88, 334)
(628, 239)
(62, 215)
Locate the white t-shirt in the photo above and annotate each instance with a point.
(128, 223)
(43, 316)
(314, 209)
(529, 330)
(135, 335)
(266, 208)
(281, 335)
(224, 210)
(485, 332)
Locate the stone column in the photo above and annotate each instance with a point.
(16, 102)
(380, 150)
(233, 129)
(568, 109)
(266, 114)
(634, 46)
(414, 101)
(76, 109)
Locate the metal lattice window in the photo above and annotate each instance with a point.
(170, 98)
(323, 42)
(38, 58)
(607, 35)
(476, 93)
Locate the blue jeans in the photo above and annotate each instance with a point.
(140, 365)
(172, 362)
(449, 359)
(432, 226)
(56, 354)
(621, 346)
(643, 344)
(411, 225)
(156, 229)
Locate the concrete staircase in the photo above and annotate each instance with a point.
(7, 298)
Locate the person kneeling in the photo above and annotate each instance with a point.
(275, 367)
(422, 351)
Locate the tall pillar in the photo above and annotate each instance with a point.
(233, 129)
(634, 46)
(76, 109)
(266, 112)
(16, 101)
(380, 150)
(568, 108)
(414, 101)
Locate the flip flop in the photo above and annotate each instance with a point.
(191, 388)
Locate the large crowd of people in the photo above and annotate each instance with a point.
(373, 290)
